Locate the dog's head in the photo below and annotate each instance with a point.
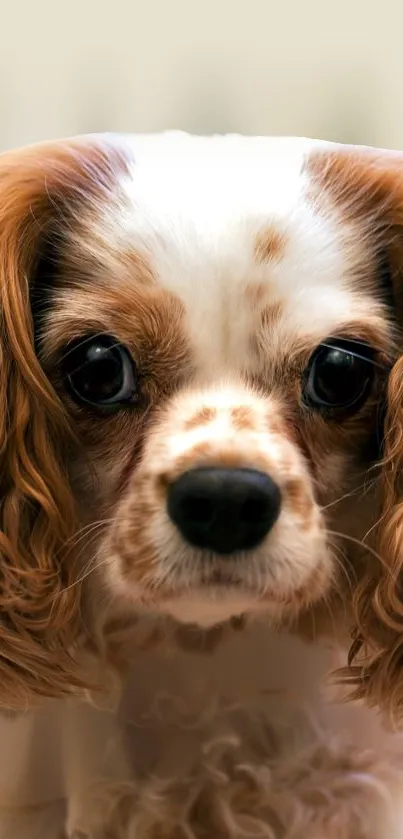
(196, 344)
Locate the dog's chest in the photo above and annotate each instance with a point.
(175, 704)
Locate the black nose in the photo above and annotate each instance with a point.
(224, 510)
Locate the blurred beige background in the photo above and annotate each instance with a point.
(329, 70)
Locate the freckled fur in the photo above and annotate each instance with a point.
(202, 417)
(242, 418)
(297, 498)
(270, 245)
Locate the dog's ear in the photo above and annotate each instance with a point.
(365, 186)
(43, 190)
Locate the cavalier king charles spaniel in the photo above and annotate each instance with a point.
(201, 469)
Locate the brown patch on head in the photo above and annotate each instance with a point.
(366, 186)
(243, 418)
(364, 183)
(204, 416)
(269, 245)
(148, 321)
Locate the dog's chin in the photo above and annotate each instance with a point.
(208, 606)
(210, 596)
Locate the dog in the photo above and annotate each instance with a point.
(201, 457)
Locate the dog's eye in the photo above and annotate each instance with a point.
(99, 371)
(339, 376)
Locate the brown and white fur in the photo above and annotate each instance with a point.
(151, 688)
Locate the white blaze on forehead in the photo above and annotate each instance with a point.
(210, 181)
(196, 205)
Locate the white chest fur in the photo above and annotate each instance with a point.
(170, 714)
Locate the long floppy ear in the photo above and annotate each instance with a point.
(42, 190)
(366, 185)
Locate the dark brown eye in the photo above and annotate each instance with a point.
(100, 372)
(339, 376)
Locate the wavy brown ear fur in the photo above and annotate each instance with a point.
(41, 190)
(367, 187)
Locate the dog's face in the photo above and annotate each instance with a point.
(219, 356)
(215, 321)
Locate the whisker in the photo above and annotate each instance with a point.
(86, 340)
(341, 563)
(95, 562)
(361, 356)
(82, 532)
(365, 547)
(362, 488)
(341, 498)
(357, 341)
(77, 537)
(374, 526)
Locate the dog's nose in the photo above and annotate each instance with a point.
(224, 510)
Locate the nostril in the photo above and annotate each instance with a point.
(224, 510)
